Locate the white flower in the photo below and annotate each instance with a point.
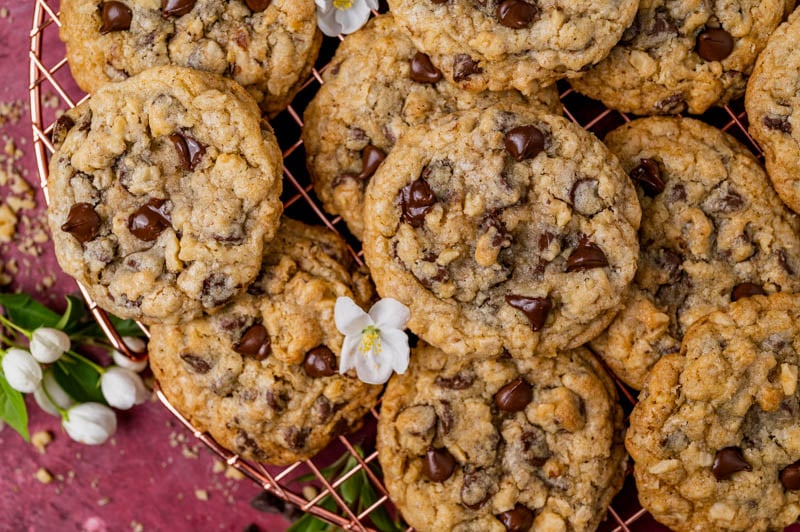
(56, 394)
(136, 345)
(122, 388)
(90, 423)
(343, 16)
(374, 342)
(22, 371)
(47, 344)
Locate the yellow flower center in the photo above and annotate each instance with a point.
(341, 5)
(370, 339)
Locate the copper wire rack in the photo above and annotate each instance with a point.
(53, 90)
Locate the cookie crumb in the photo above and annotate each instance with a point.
(137, 526)
(41, 439)
(103, 501)
(219, 466)
(44, 476)
(309, 492)
(201, 495)
(233, 473)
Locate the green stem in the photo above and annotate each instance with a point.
(11, 325)
(60, 410)
(77, 356)
(9, 342)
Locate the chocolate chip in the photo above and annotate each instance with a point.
(371, 159)
(416, 200)
(670, 262)
(746, 290)
(648, 175)
(514, 396)
(678, 193)
(464, 66)
(517, 520)
(524, 142)
(217, 289)
(445, 414)
(257, 5)
(790, 476)
(714, 44)
(320, 362)
(783, 260)
(198, 364)
(662, 23)
(671, 104)
(545, 239)
(83, 222)
(459, 381)
(534, 446)
(189, 150)
(322, 410)
(438, 464)
(61, 128)
(729, 202)
(729, 461)
(516, 14)
(777, 123)
(423, 71)
(116, 17)
(535, 309)
(296, 437)
(478, 488)
(586, 257)
(149, 220)
(255, 343)
(176, 8)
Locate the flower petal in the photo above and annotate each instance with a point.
(373, 370)
(349, 317)
(389, 313)
(353, 18)
(372, 4)
(324, 5)
(326, 20)
(347, 360)
(395, 349)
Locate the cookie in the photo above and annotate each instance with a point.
(683, 56)
(163, 189)
(365, 105)
(501, 444)
(513, 44)
(269, 47)
(713, 231)
(261, 376)
(715, 438)
(502, 229)
(773, 107)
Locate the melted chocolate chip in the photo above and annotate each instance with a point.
(198, 364)
(535, 309)
(790, 476)
(516, 14)
(524, 142)
(257, 5)
(61, 128)
(777, 123)
(586, 257)
(714, 44)
(176, 8)
(296, 437)
(545, 239)
(149, 220)
(746, 290)
(648, 176)
(320, 362)
(478, 487)
(423, 71)
(514, 396)
(438, 464)
(189, 150)
(255, 343)
(371, 159)
(464, 66)
(459, 381)
(116, 17)
(729, 461)
(671, 104)
(83, 222)
(416, 199)
(517, 520)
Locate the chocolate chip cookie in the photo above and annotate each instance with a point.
(773, 107)
(269, 46)
(513, 44)
(365, 105)
(262, 376)
(501, 444)
(504, 228)
(163, 189)
(713, 231)
(683, 56)
(715, 437)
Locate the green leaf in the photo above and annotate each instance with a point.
(126, 327)
(67, 316)
(309, 523)
(80, 380)
(28, 313)
(351, 488)
(12, 408)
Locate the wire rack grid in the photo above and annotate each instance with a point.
(52, 90)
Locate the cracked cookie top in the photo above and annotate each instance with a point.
(504, 228)
(713, 231)
(714, 436)
(268, 46)
(501, 444)
(163, 189)
(262, 375)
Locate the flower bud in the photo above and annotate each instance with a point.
(136, 345)
(22, 372)
(47, 344)
(122, 388)
(90, 423)
(55, 392)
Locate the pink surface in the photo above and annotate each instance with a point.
(148, 474)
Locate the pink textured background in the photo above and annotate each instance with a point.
(147, 475)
